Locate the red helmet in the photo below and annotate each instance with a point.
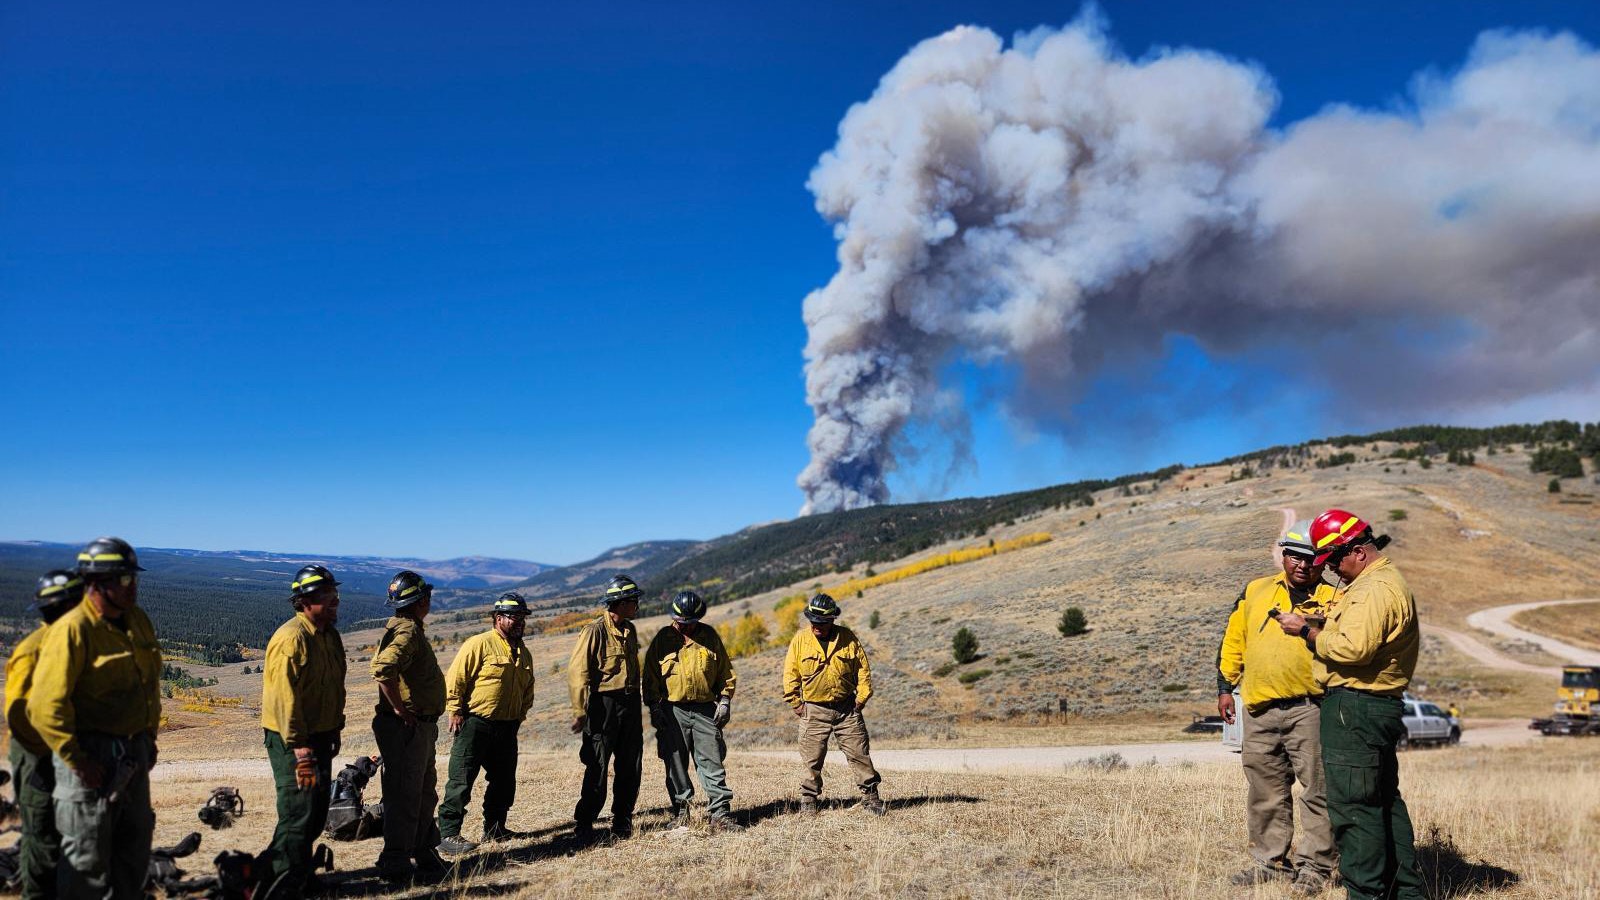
(1332, 530)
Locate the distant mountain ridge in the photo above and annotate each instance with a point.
(212, 601)
(641, 561)
(464, 572)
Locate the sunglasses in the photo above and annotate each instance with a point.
(1338, 555)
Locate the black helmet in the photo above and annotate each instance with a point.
(621, 590)
(407, 588)
(821, 609)
(688, 608)
(108, 556)
(511, 604)
(309, 580)
(59, 590)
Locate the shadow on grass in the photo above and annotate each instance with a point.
(1446, 873)
(775, 808)
(560, 840)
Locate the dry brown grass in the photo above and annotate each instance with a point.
(1576, 623)
(1521, 820)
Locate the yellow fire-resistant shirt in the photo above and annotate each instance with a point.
(302, 690)
(1372, 637)
(605, 659)
(95, 674)
(404, 655)
(1273, 665)
(695, 669)
(19, 677)
(491, 678)
(826, 672)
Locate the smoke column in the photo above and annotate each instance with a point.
(1048, 206)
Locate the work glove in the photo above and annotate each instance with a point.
(658, 715)
(724, 712)
(305, 772)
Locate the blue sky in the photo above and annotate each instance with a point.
(510, 279)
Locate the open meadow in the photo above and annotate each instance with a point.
(1521, 822)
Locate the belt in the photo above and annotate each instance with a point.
(387, 711)
(1291, 702)
(1362, 691)
(836, 705)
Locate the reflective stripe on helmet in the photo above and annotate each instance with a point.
(1335, 535)
(300, 584)
(100, 557)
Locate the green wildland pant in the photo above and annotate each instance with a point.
(485, 745)
(302, 814)
(613, 733)
(34, 777)
(410, 787)
(105, 841)
(684, 730)
(845, 722)
(1370, 821)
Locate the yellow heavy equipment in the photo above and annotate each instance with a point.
(1577, 703)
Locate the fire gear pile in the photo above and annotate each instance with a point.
(348, 818)
(222, 808)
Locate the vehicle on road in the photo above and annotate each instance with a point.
(1426, 723)
(1577, 700)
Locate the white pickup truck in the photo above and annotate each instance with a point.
(1428, 724)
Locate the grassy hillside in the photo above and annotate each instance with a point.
(765, 557)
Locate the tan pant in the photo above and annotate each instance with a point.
(851, 729)
(1280, 746)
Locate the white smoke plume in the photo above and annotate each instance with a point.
(1052, 206)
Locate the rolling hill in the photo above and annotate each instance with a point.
(764, 557)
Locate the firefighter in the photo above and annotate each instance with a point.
(603, 681)
(827, 681)
(32, 772)
(406, 724)
(302, 716)
(488, 693)
(688, 686)
(1282, 741)
(96, 702)
(1364, 657)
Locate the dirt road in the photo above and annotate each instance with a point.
(1482, 653)
(1498, 620)
(1044, 760)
